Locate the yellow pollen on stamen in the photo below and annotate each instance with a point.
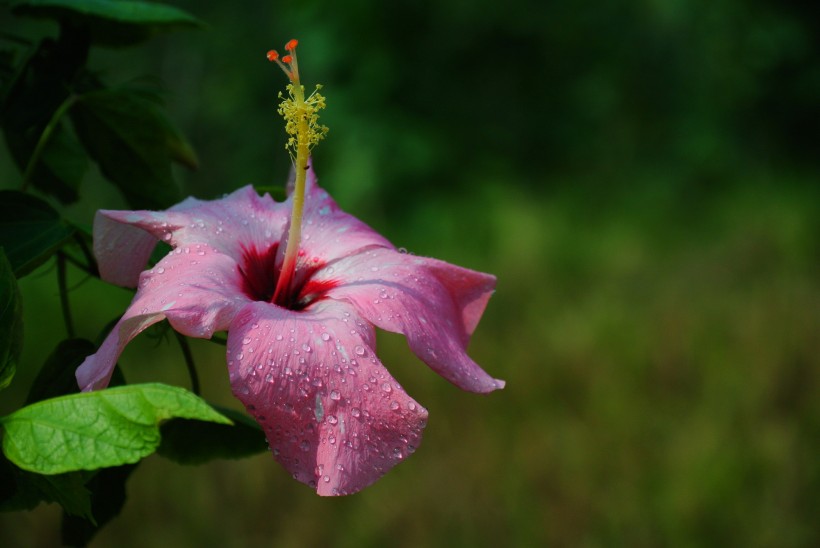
(304, 132)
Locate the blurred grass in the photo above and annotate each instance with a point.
(642, 180)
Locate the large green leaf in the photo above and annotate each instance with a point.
(97, 429)
(11, 322)
(30, 230)
(111, 22)
(134, 144)
(194, 442)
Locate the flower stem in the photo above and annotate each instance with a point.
(64, 304)
(189, 362)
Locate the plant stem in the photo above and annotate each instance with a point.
(89, 257)
(189, 362)
(64, 304)
(44, 138)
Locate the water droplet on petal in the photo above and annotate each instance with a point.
(325, 336)
(359, 350)
(386, 387)
(335, 395)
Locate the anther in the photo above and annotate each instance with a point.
(273, 55)
(291, 45)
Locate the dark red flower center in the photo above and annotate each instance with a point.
(260, 273)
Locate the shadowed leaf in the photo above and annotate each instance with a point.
(30, 230)
(11, 322)
(111, 23)
(194, 442)
(134, 144)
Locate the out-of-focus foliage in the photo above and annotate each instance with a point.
(642, 177)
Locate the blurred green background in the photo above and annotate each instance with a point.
(641, 176)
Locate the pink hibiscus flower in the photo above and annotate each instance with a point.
(303, 362)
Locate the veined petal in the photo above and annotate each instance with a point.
(196, 287)
(435, 306)
(240, 219)
(333, 415)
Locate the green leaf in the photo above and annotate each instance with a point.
(30, 230)
(97, 429)
(56, 378)
(193, 442)
(11, 322)
(134, 144)
(111, 22)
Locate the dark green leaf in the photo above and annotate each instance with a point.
(111, 22)
(107, 499)
(22, 490)
(30, 230)
(97, 429)
(61, 166)
(134, 144)
(56, 378)
(11, 322)
(34, 104)
(194, 442)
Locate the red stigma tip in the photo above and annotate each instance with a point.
(287, 59)
(291, 45)
(273, 55)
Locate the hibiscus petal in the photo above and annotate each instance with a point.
(195, 287)
(329, 233)
(111, 237)
(241, 218)
(435, 305)
(333, 415)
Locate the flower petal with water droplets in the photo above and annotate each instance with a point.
(195, 287)
(416, 296)
(334, 417)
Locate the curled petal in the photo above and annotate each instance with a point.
(239, 219)
(436, 306)
(111, 237)
(192, 287)
(333, 415)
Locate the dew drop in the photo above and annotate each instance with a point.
(325, 337)
(359, 350)
(335, 395)
(386, 387)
